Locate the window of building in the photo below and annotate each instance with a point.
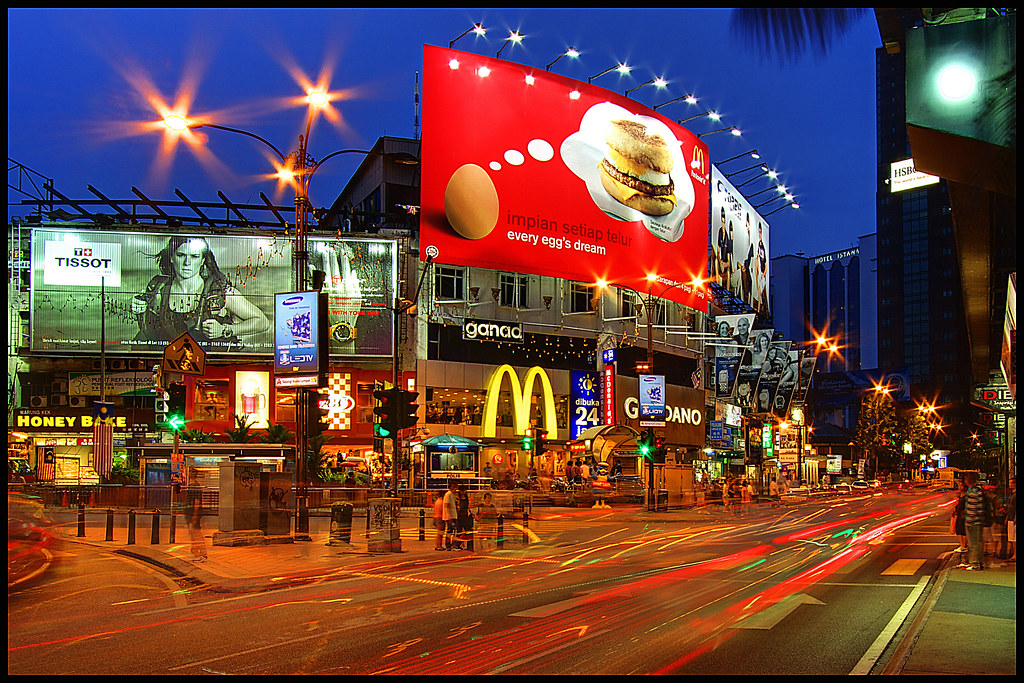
(211, 400)
(581, 297)
(514, 289)
(449, 283)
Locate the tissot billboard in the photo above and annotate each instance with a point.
(528, 171)
(219, 288)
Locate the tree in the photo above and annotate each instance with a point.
(878, 431)
(787, 33)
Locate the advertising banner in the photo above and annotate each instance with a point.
(652, 396)
(771, 374)
(584, 402)
(528, 171)
(297, 333)
(740, 256)
(147, 289)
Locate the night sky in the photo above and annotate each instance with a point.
(85, 86)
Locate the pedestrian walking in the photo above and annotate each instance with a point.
(194, 502)
(487, 523)
(464, 518)
(439, 520)
(450, 515)
(977, 515)
(957, 522)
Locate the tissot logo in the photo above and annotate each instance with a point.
(492, 331)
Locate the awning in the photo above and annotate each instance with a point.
(449, 440)
(604, 439)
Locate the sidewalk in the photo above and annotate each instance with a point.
(967, 623)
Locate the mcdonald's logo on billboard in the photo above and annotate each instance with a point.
(699, 165)
(520, 396)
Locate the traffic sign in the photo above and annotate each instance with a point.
(184, 356)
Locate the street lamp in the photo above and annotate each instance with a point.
(736, 132)
(569, 52)
(690, 99)
(657, 82)
(649, 311)
(298, 167)
(623, 69)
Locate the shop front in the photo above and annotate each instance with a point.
(58, 441)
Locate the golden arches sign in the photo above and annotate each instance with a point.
(521, 395)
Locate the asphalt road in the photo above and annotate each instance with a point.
(821, 588)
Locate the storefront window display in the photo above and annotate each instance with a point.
(211, 400)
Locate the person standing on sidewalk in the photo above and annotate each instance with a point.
(194, 501)
(450, 515)
(974, 522)
(439, 524)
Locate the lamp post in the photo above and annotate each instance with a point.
(649, 311)
(299, 168)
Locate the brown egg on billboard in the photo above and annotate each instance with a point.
(471, 202)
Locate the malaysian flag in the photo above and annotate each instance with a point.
(695, 377)
(102, 438)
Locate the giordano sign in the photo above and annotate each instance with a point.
(680, 414)
(521, 395)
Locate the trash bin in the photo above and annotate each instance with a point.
(662, 504)
(341, 524)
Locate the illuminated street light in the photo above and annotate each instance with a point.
(513, 37)
(298, 168)
(753, 155)
(476, 28)
(690, 99)
(571, 52)
(710, 113)
(657, 82)
(732, 129)
(623, 70)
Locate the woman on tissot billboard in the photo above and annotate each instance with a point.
(532, 172)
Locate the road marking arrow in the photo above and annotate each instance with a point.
(771, 616)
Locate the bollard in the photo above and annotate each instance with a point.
(81, 520)
(423, 517)
(501, 531)
(155, 537)
(110, 525)
(174, 523)
(526, 527)
(131, 527)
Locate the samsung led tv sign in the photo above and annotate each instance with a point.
(532, 172)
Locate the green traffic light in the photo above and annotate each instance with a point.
(176, 422)
(380, 431)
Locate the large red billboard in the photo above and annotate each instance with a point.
(531, 172)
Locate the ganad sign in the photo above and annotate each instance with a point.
(482, 330)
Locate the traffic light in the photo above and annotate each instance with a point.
(405, 408)
(316, 413)
(539, 437)
(660, 450)
(385, 420)
(645, 444)
(176, 406)
(528, 440)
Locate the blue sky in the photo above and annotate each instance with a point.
(81, 84)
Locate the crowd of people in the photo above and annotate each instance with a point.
(460, 526)
(977, 518)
